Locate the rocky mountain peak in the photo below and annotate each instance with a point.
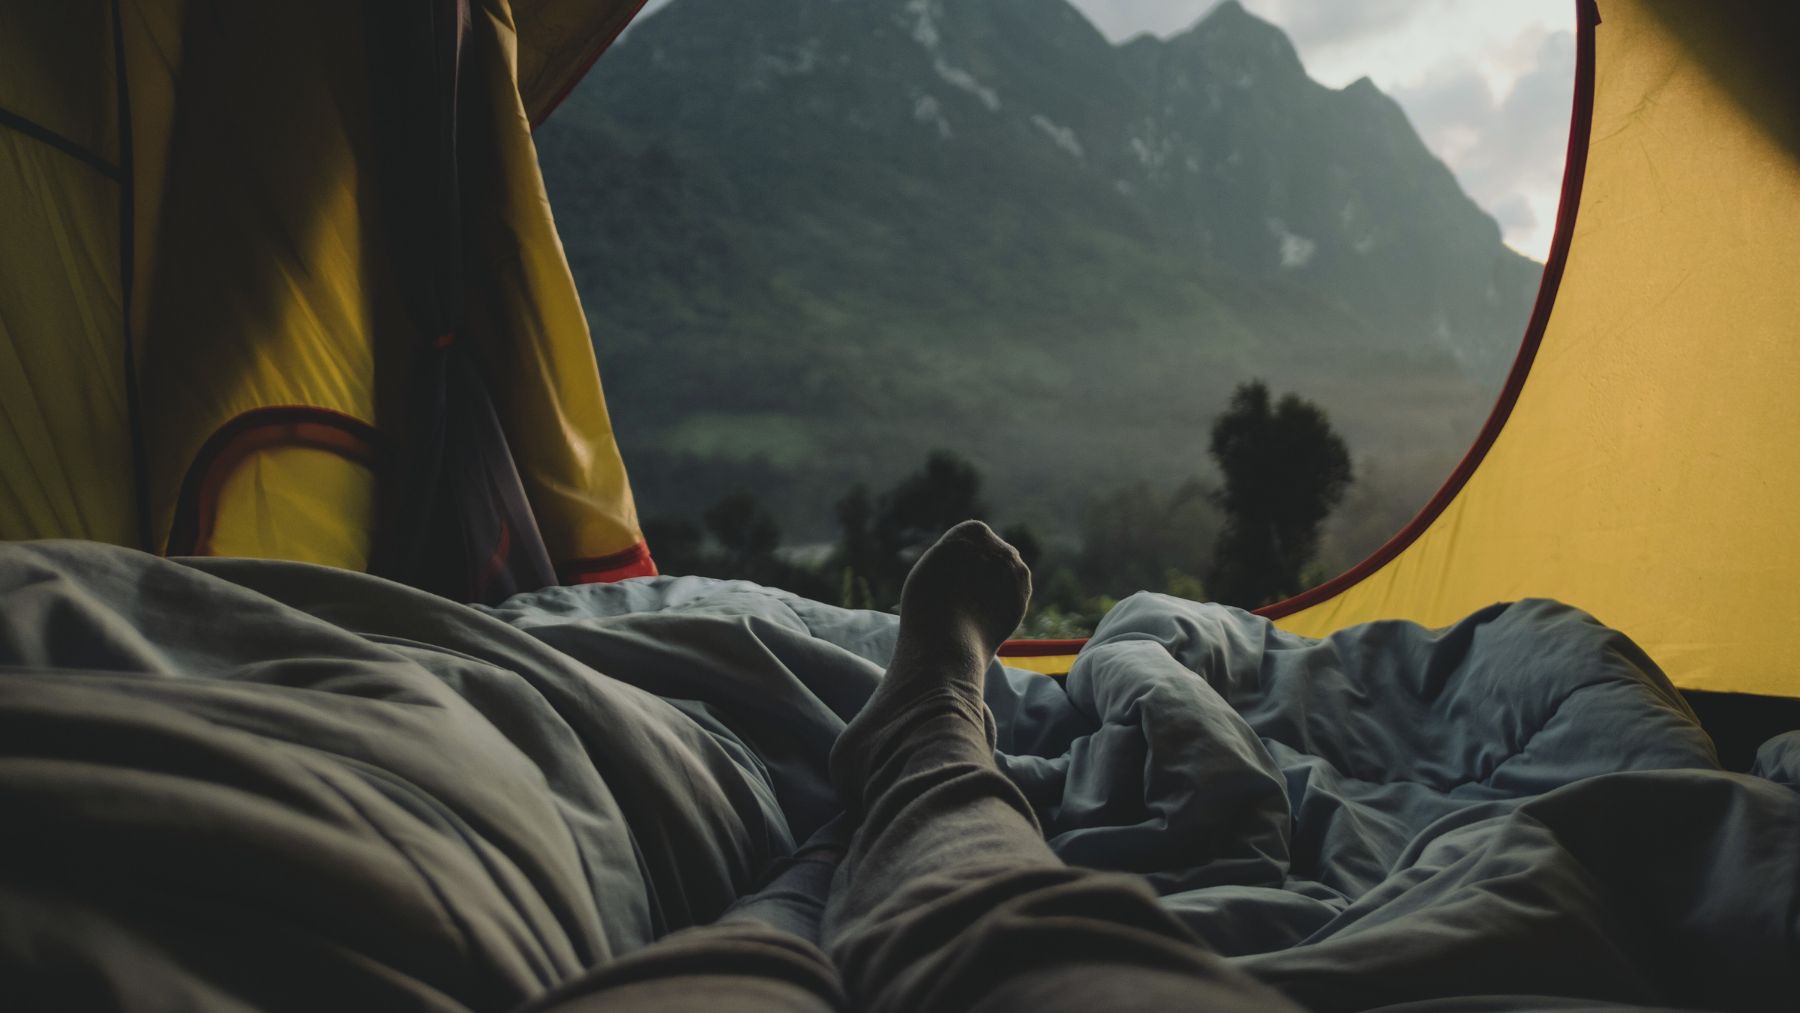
(805, 208)
(1230, 40)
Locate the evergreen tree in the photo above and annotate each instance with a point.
(1134, 537)
(746, 534)
(1284, 469)
(858, 555)
(925, 504)
(880, 540)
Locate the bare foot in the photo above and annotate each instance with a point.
(961, 601)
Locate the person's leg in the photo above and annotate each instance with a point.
(744, 966)
(948, 898)
(759, 957)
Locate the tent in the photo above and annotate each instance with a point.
(281, 280)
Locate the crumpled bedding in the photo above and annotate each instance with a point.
(231, 784)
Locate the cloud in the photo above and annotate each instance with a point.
(1507, 150)
(1307, 22)
(1515, 214)
(1120, 19)
(1311, 23)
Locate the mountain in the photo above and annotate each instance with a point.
(818, 237)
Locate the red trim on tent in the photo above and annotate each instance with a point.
(1574, 171)
(1040, 648)
(496, 561)
(606, 42)
(196, 509)
(633, 562)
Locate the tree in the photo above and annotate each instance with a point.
(858, 555)
(740, 540)
(881, 539)
(745, 532)
(1025, 541)
(1284, 470)
(1136, 536)
(930, 501)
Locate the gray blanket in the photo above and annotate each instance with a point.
(246, 785)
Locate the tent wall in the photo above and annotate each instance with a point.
(1648, 470)
(558, 40)
(266, 282)
(528, 319)
(65, 447)
(225, 237)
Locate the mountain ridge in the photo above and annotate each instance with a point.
(817, 237)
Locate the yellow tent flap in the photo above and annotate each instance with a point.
(234, 231)
(1645, 462)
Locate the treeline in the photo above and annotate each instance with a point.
(1246, 542)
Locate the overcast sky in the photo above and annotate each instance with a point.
(1486, 82)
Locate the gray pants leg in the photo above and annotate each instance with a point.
(760, 957)
(743, 966)
(949, 898)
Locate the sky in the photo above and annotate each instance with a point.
(1487, 83)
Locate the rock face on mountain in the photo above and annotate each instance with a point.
(816, 237)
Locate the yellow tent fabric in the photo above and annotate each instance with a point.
(559, 40)
(65, 452)
(197, 223)
(1649, 471)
